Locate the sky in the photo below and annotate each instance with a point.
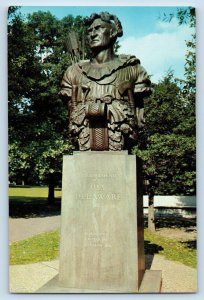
(160, 46)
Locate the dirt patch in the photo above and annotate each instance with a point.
(179, 228)
(184, 234)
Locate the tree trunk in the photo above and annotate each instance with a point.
(51, 189)
(151, 218)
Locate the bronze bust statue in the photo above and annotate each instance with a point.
(105, 94)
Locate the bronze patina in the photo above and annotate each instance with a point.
(105, 94)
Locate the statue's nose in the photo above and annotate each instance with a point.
(93, 32)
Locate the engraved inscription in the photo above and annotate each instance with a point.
(102, 175)
(98, 196)
(97, 186)
(111, 173)
(97, 240)
(98, 189)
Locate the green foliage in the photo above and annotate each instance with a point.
(38, 134)
(168, 143)
(19, 162)
(188, 16)
(184, 16)
(48, 155)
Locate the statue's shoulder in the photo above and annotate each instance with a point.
(78, 64)
(76, 68)
(129, 59)
(84, 62)
(82, 65)
(95, 72)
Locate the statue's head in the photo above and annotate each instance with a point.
(103, 29)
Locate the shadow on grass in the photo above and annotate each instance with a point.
(172, 222)
(190, 244)
(20, 186)
(150, 251)
(32, 207)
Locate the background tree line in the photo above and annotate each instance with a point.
(38, 138)
(168, 141)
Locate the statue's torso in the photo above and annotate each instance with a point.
(103, 79)
(108, 84)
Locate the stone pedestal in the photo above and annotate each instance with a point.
(99, 232)
(102, 242)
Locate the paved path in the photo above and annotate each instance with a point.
(177, 278)
(21, 228)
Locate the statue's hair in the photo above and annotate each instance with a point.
(106, 17)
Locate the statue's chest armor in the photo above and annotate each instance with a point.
(106, 86)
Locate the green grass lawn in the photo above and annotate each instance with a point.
(34, 192)
(44, 247)
(30, 202)
(173, 249)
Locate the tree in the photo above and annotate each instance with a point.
(21, 69)
(18, 163)
(168, 146)
(168, 142)
(37, 117)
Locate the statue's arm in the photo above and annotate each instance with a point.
(66, 86)
(142, 89)
(142, 83)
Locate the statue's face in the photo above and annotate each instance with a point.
(100, 34)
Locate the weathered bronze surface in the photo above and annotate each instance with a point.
(105, 94)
